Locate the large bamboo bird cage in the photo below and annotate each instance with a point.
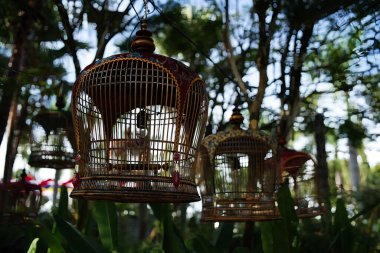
(138, 118)
(19, 201)
(52, 139)
(300, 169)
(239, 175)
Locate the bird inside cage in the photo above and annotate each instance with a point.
(131, 141)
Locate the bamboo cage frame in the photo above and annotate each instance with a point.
(139, 118)
(19, 201)
(52, 140)
(301, 170)
(238, 179)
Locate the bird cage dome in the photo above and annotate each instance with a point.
(240, 177)
(19, 201)
(52, 139)
(300, 169)
(138, 118)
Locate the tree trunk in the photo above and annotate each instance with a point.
(17, 126)
(365, 169)
(293, 100)
(322, 174)
(265, 36)
(353, 167)
(10, 122)
(15, 66)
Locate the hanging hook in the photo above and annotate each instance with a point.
(238, 98)
(145, 10)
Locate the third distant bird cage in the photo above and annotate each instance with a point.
(301, 171)
(239, 176)
(19, 201)
(138, 117)
(52, 139)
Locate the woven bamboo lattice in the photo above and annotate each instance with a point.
(139, 118)
(238, 183)
(300, 169)
(52, 139)
(19, 201)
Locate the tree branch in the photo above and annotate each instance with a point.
(263, 57)
(69, 42)
(231, 59)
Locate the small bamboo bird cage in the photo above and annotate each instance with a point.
(19, 201)
(300, 169)
(52, 139)
(138, 119)
(240, 179)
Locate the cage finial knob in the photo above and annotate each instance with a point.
(236, 118)
(143, 41)
(60, 104)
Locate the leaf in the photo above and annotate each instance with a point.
(267, 240)
(342, 229)
(242, 250)
(288, 214)
(223, 241)
(106, 217)
(274, 237)
(63, 204)
(51, 240)
(76, 240)
(201, 245)
(172, 241)
(158, 210)
(42, 247)
(33, 246)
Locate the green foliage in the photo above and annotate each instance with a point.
(354, 131)
(223, 240)
(371, 93)
(315, 236)
(75, 240)
(288, 214)
(16, 237)
(369, 194)
(105, 215)
(48, 239)
(201, 244)
(179, 20)
(342, 229)
(63, 204)
(172, 240)
(273, 237)
(241, 250)
(65, 237)
(282, 235)
(33, 246)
